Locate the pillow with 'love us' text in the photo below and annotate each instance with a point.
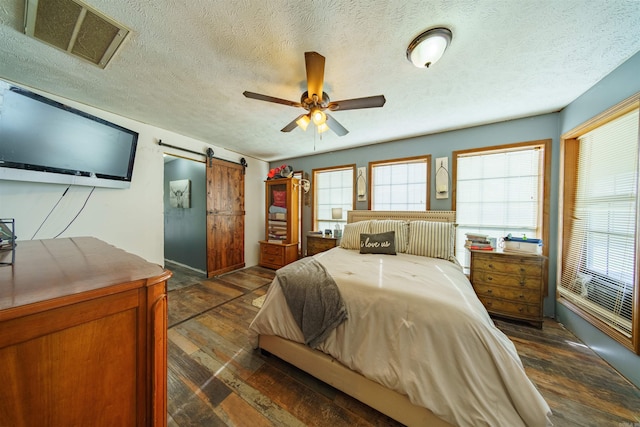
(381, 243)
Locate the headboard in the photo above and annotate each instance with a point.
(365, 215)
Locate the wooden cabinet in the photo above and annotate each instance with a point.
(318, 243)
(276, 255)
(510, 285)
(280, 246)
(83, 336)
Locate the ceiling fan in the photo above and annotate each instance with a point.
(315, 101)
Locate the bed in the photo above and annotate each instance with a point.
(416, 344)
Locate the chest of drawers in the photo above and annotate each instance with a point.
(277, 255)
(510, 285)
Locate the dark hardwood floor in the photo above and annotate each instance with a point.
(215, 378)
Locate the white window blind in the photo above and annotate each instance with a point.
(399, 186)
(333, 188)
(599, 264)
(499, 192)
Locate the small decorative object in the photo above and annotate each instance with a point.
(180, 193)
(327, 232)
(361, 184)
(283, 171)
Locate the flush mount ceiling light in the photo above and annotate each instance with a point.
(426, 49)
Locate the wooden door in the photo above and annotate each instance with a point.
(225, 217)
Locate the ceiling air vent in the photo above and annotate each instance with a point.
(75, 28)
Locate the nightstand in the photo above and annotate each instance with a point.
(317, 243)
(510, 285)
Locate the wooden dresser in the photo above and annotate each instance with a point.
(317, 243)
(83, 336)
(510, 285)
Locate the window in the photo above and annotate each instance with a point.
(332, 188)
(501, 190)
(401, 184)
(599, 223)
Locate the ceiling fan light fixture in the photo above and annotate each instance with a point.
(323, 128)
(303, 122)
(318, 117)
(426, 49)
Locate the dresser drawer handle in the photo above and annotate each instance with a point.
(489, 303)
(490, 265)
(520, 309)
(489, 278)
(489, 291)
(521, 296)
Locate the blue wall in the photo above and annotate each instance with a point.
(185, 230)
(620, 84)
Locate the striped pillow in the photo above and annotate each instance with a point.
(400, 227)
(432, 239)
(351, 234)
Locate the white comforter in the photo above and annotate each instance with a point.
(416, 326)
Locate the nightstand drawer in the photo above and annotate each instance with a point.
(519, 280)
(518, 265)
(511, 309)
(523, 295)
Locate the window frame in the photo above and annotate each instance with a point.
(426, 158)
(569, 148)
(545, 216)
(314, 191)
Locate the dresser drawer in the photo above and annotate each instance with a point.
(273, 250)
(511, 309)
(518, 265)
(519, 280)
(519, 295)
(271, 255)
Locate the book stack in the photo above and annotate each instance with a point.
(477, 241)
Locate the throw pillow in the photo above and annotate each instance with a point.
(381, 243)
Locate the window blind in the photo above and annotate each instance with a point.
(333, 189)
(499, 192)
(399, 186)
(598, 273)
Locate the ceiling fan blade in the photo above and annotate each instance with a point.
(315, 73)
(356, 103)
(268, 98)
(335, 126)
(291, 126)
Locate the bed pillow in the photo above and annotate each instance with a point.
(351, 234)
(380, 243)
(400, 227)
(431, 238)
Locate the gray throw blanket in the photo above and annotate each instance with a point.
(313, 298)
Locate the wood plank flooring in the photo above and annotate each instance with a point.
(215, 378)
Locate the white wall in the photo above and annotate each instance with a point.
(131, 219)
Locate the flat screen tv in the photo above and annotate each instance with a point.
(42, 140)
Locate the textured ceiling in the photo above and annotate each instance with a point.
(186, 63)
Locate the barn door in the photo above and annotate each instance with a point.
(225, 217)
